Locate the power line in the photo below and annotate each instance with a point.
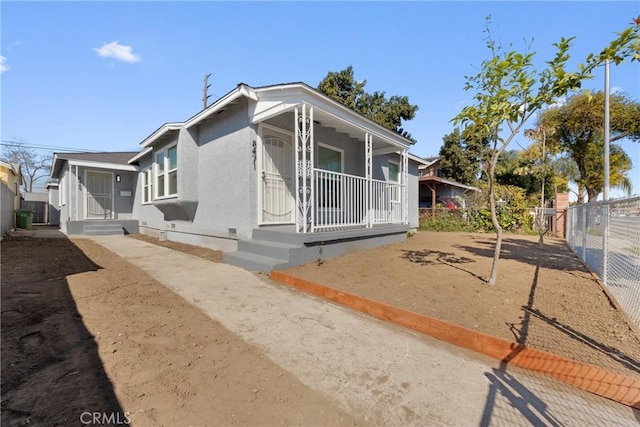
(51, 148)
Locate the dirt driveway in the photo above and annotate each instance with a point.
(90, 334)
(544, 298)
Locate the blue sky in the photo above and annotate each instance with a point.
(104, 75)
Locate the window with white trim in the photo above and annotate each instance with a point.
(394, 171)
(394, 177)
(147, 186)
(167, 172)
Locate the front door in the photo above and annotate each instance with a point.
(277, 178)
(99, 195)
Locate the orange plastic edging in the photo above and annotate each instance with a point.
(596, 380)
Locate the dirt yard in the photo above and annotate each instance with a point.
(85, 332)
(544, 297)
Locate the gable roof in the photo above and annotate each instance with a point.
(276, 99)
(117, 157)
(117, 160)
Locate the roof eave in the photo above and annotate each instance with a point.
(241, 90)
(309, 95)
(160, 132)
(140, 155)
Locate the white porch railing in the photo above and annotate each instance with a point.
(341, 201)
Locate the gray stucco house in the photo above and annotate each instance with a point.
(274, 176)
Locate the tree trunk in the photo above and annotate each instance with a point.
(542, 232)
(592, 194)
(494, 221)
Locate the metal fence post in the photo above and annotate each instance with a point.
(583, 209)
(605, 243)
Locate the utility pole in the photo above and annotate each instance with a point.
(205, 90)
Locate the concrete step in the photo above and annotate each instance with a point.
(110, 229)
(266, 248)
(274, 235)
(251, 262)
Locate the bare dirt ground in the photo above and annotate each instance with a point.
(205, 253)
(85, 331)
(544, 298)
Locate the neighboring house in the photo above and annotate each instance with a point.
(54, 203)
(434, 186)
(95, 186)
(274, 176)
(10, 181)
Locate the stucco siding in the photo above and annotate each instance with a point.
(216, 171)
(226, 165)
(7, 215)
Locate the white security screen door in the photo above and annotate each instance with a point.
(99, 195)
(277, 178)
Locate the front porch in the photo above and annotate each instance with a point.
(321, 173)
(278, 247)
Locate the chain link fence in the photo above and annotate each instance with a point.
(606, 235)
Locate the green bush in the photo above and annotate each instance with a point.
(513, 220)
(443, 220)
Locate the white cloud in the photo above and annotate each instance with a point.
(616, 90)
(117, 51)
(3, 66)
(559, 102)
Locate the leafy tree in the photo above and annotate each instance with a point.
(510, 90)
(462, 159)
(579, 132)
(34, 166)
(516, 168)
(619, 165)
(388, 112)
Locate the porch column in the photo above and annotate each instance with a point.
(77, 194)
(368, 158)
(304, 164)
(405, 189)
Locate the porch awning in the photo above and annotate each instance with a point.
(439, 180)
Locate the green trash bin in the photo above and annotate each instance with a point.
(24, 219)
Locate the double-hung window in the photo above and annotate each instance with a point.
(394, 177)
(147, 186)
(167, 172)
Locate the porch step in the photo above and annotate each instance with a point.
(281, 235)
(251, 261)
(266, 248)
(110, 229)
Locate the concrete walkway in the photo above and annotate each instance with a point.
(380, 373)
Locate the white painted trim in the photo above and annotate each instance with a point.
(278, 99)
(165, 180)
(77, 192)
(161, 131)
(86, 190)
(240, 91)
(418, 159)
(151, 181)
(140, 155)
(332, 148)
(387, 150)
(101, 165)
(276, 129)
